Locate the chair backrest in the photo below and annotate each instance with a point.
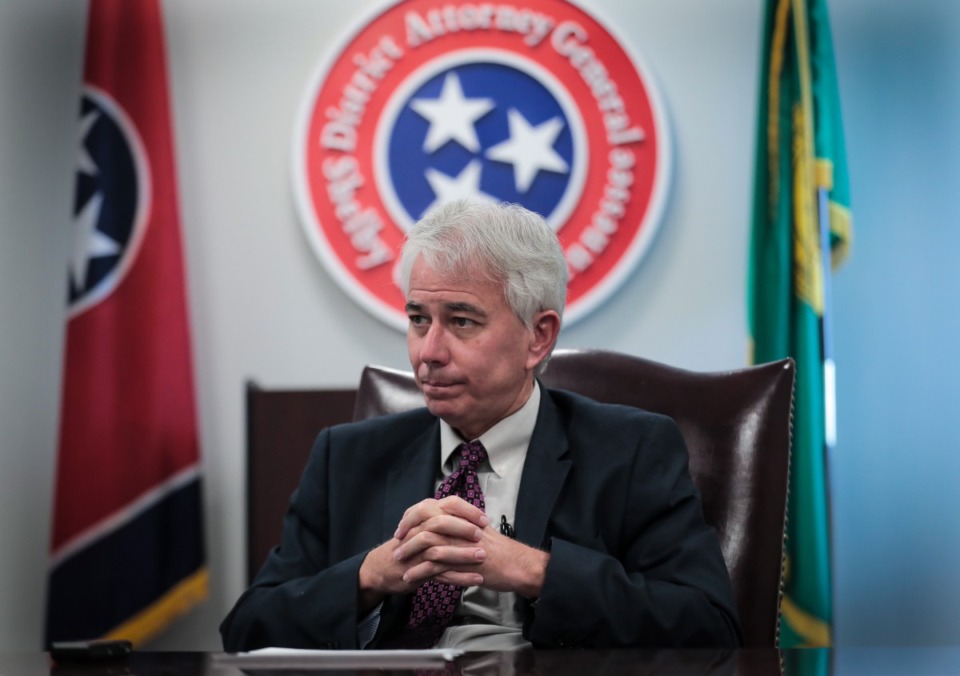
(737, 428)
(281, 427)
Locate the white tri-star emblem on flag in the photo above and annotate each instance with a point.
(111, 199)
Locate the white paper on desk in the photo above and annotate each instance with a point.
(293, 658)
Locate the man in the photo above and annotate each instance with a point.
(554, 520)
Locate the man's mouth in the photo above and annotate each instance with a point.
(434, 386)
(438, 384)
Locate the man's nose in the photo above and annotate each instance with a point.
(433, 347)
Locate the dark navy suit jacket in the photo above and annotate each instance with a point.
(605, 489)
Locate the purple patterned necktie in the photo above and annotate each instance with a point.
(434, 602)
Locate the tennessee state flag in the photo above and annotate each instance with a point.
(127, 538)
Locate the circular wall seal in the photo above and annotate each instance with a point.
(535, 102)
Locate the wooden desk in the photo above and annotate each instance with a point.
(923, 661)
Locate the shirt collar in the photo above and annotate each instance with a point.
(506, 442)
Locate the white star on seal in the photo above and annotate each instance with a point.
(465, 185)
(452, 116)
(529, 149)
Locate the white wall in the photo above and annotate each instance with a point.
(41, 47)
(262, 307)
(897, 468)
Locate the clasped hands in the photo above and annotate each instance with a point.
(451, 541)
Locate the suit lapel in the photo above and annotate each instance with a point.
(545, 469)
(412, 477)
(544, 472)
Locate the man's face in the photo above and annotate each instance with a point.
(472, 356)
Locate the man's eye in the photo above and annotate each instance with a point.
(417, 320)
(463, 322)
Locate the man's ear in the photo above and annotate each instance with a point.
(544, 332)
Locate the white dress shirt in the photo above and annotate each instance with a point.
(485, 619)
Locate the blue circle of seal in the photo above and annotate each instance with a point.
(512, 89)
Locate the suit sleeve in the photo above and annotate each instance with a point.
(663, 584)
(299, 598)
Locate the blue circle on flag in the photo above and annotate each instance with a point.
(105, 202)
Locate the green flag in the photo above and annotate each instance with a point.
(800, 220)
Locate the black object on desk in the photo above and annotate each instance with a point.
(90, 651)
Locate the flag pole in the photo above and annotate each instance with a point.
(825, 181)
